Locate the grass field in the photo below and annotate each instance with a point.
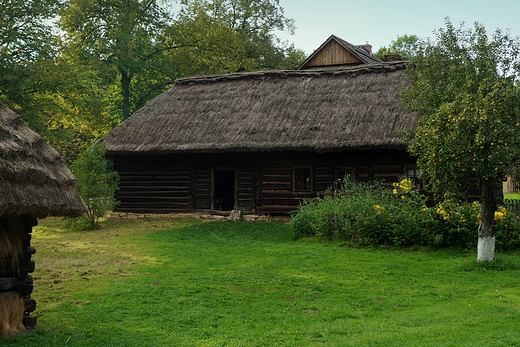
(512, 196)
(192, 283)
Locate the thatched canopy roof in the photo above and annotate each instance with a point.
(34, 179)
(309, 110)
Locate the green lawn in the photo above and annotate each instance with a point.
(188, 283)
(512, 196)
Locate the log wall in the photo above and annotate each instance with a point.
(158, 184)
(264, 181)
(203, 188)
(15, 278)
(275, 182)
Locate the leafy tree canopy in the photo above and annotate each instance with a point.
(464, 86)
(121, 33)
(222, 36)
(26, 48)
(74, 69)
(407, 46)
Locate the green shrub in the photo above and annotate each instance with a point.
(365, 213)
(97, 183)
(380, 214)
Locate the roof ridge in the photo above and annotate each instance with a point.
(358, 50)
(368, 68)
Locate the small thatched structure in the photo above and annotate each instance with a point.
(34, 182)
(260, 142)
(34, 179)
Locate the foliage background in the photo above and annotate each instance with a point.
(75, 69)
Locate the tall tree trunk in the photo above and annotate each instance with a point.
(490, 192)
(125, 90)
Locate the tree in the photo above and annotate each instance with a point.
(464, 87)
(224, 36)
(407, 46)
(26, 52)
(124, 34)
(84, 106)
(97, 183)
(139, 42)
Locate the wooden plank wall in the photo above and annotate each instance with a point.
(275, 192)
(333, 54)
(169, 183)
(153, 184)
(246, 187)
(203, 188)
(166, 184)
(275, 188)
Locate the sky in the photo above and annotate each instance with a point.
(378, 22)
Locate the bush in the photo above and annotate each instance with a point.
(366, 213)
(375, 213)
(97, 183)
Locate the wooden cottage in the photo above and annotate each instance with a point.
(34, 183)
(261, 142)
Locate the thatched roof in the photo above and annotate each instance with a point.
(313, 110)
(34, 179)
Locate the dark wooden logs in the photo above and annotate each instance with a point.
(14, 274)
(265, 183)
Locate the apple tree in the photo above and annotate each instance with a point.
(464, 85)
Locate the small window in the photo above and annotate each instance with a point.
(413, 173)
(344, 172)
(302, 179)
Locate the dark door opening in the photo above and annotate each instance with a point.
(224, 190)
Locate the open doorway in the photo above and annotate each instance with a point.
(224, 191)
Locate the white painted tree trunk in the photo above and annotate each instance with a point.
(486, 248)
(490, 191)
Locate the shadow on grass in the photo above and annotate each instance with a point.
(87, 337)
(498, 264)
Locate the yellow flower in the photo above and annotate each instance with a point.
(378, 208)
(501, 213)
(445, 214)
(406, 185)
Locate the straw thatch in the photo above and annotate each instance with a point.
(34, 179)
(12, 307)
(309, 110)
